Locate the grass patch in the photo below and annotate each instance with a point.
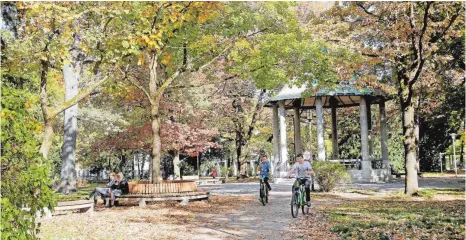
(82, 192)
(398, 219)
(429, 193)
(445, 174)
(359, 191)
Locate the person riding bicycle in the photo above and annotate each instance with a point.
(303, 170)
(264, 169)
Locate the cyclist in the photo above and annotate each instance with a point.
(303, 170)
(264, 169)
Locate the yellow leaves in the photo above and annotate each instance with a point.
(166, 59)
(140, 59)
(84, 48)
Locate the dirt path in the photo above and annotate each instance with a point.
(272, 221)
(259, 222)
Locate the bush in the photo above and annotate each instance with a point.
(25, 182)
(225, 171)
(329, 174)
(188, 170)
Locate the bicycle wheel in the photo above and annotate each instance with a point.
(294, 205)
(266, 194)
(262, 194)
(304, 207)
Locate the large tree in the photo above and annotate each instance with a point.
(406, 37)
(66, 42)
(173, 40)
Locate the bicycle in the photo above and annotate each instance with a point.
(298, 199)
(264, 192)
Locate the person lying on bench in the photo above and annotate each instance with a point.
(120, 186)
(104, 191)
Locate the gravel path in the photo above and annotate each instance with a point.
(256, 221)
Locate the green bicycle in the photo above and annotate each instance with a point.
(298, 199)
(264, 192)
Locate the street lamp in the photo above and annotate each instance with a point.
(453, 137)
(441, 162)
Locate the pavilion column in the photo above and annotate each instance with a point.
(383, 134)
(276, 137)
(320, 130)
(310, 137)
(297, 131)
(283, 146)
(333, 104)
(369, 127)
(366, 161)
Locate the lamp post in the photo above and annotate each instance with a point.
(453, 137)
(441, 162)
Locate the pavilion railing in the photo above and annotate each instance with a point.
(355, 164)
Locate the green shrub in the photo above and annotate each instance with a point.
(329, 174)
(225, 171)
(187, 169)
(25, 182)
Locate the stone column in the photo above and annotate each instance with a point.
(383, 134)
(369, 127)
(297, 131)
(310, 137)
(283, 146)
(366, 161)
(333, 103)
(276, 137)
(320, 130)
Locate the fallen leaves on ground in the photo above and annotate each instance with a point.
(168, 220)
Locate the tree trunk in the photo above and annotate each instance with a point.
(176, 164)
(71, 73)
(123, 160)
(417, 138)
(132, 167)
(156, 144)
(44, 103)
(47, 140)
(463, 145)
(411, 181)
(239, 148)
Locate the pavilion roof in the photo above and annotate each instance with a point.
(344, 95)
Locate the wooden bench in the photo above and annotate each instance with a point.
(191, 177)
(82, 205)
(218, 180)
(145, 191)
(399, 174)
(143, 198)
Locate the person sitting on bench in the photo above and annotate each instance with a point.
(120, 186)
(104, 191)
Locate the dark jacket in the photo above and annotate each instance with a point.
(123, 186)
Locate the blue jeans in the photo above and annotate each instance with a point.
(115, 193)
(103, 191)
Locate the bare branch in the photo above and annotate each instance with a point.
(136, 84)
(77, 98)
(212, 60)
